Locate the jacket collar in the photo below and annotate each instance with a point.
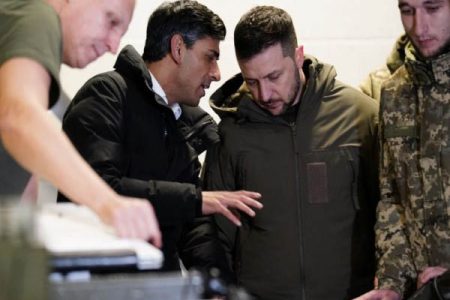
(233, 97)
(131, 64)
(430, 71)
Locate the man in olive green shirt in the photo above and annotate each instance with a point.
(35, 38)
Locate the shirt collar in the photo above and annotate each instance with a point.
(176, 109)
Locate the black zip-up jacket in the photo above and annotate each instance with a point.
(131, 138)
(314, 239)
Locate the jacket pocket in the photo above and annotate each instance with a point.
(332, 176)
(401, 161)
(402, 165)
(317, 182)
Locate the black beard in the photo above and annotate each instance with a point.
(293, 93)
(295, 90)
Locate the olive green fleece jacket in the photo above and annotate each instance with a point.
(318, 179)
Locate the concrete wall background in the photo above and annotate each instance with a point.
(353, 35)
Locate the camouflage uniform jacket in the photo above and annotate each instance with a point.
(413, 229)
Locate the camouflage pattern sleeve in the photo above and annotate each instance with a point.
(396, 269)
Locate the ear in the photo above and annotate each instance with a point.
(299, 57)
(177, 48)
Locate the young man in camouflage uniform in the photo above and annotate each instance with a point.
(36, 37)
(413, 229)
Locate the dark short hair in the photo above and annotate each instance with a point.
(190, 19)
(262, 27)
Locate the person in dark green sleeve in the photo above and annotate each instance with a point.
(35, 38)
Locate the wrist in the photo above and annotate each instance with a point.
(100, 199)
(390, 284)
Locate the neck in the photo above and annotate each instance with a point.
(163, 70)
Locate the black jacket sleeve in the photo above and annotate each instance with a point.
(201, 249)
(218, 175)
(95, 124)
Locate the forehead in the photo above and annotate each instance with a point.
(269, 60)
(418, 3)
(120, 8)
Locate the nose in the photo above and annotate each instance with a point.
(113, 41)
(215, 71)
(264, 93)
(420, 24)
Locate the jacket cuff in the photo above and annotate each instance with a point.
(388, 283)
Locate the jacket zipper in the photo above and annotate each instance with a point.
(293, 128)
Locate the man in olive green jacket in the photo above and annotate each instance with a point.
(307, 143)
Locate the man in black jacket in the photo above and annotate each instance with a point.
(140, 128)
(307, 143)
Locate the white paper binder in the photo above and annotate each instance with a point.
(76, 238)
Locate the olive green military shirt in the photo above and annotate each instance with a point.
(28, 29)
(31, 29)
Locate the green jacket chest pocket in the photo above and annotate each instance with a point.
(331, 177)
